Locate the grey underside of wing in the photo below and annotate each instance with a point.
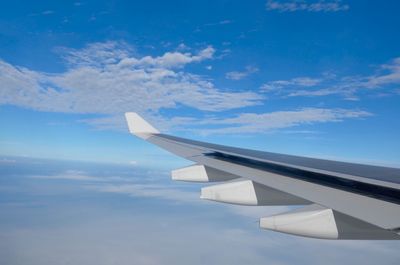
(382, 213)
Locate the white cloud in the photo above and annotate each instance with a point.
(146, 187)
(174, 192)
(171, 192)
(310, 6)
(226, 21)
(171, 59)
(7, 161)
(69, 175)
(117, 231)
(222, 22)
(149, 190)
(48, 12)
(264, 122)
(244, 123)
(131, 236)
(106, 78)
(386, 77)
(390, 75)
(182, 47)
(237, 75)
(81, 176)
(112, 122)
(298, 81)
(119, 54)
(109, 79)
(131, 185)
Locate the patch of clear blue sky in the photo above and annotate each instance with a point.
(282, 45)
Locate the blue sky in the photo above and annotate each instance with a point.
(315, 78)
(309, 77)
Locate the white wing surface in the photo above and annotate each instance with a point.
(341, 200)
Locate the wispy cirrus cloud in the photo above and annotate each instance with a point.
(298, 81)
(278, 120)
(222, 22)
(237, 75)
(243, 123)
(7, 161)
(81, 176)
(47, 12)
(303, 5)
(149, 190)
(140, 185)
(213, 24)
(385, 79)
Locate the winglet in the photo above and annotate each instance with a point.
(138, 126)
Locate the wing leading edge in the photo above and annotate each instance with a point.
(345, 200)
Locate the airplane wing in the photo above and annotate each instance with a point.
(339, 200)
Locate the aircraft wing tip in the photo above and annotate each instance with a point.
(139, 126)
